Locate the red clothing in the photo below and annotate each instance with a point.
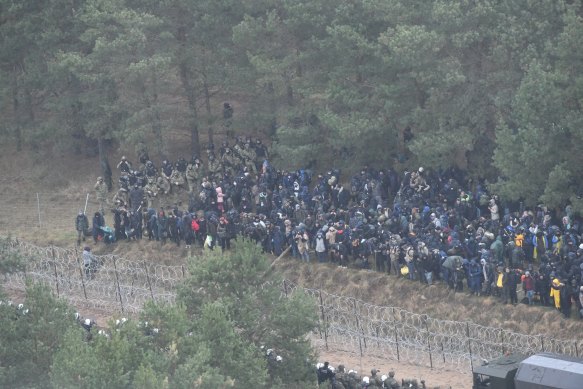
(528, 283)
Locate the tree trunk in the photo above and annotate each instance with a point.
(15, 109)
(104, 163)
(273, 108)
(207, 103)
(191, 97)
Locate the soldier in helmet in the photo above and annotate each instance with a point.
(260, 153)
(194, 173)
(81, 225)
(229, 162)
(228, 118)
(150, 191)
(214, 167)
(101, 194)
(163, 184)
(124, 165)
(121, 198)
(166, 169)
(391, 381)
(151, 171)
(249, 157)
(177, 177)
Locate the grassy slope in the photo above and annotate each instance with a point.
(436, 300)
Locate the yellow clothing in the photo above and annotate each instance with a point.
(499, 280)
(518, 239)
(556, 293)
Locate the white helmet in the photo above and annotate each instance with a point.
(383, 377)
(87, 322)
(366, 380)
(278, 358)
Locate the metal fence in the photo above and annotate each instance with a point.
(346, 324)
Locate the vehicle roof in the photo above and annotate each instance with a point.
(546, 370)
(502, 366)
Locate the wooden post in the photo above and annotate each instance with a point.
(118, 288)
(38, 209)
(148, 279)
(469, 344)
(428, 343)
(357, 326)
(396, 335)
(55, 270)
(81, 273)
(285, 287)
(323, 319)
(443, 353)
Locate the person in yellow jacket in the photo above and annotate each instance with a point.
(499, 281)
(556, 286)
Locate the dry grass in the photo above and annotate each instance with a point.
(435, 300)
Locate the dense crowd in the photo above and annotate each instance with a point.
(426, 225)
(341, 378)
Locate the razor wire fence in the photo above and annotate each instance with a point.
(345, 324)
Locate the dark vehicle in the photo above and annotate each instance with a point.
(497, 374)
(539, 371)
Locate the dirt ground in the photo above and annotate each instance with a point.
(432, 377)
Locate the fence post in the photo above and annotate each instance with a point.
(396, 337)
(576, 350)
(323, 319)
(81, 272)
(502, 341)
(38, 209)
(428, 342)
(542, 344)
(285, 287)
(183, 274)
(55, 269)
(469, 344)
(148, 279)
(443, 352)
(118, 288)
(357, 326)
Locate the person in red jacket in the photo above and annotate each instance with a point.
(528, 287)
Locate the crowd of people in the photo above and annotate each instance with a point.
(341, 378)
(425, 225)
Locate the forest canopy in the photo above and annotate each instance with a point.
(491, 87)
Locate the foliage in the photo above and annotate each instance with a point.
(29, 339)
(11, 260)
(229, 307)
(330, 81)
(236, 288)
